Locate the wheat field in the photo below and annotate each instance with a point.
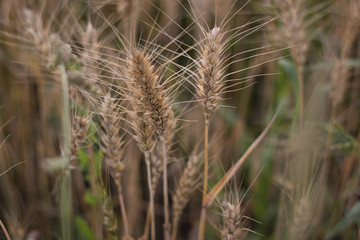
(180, 119)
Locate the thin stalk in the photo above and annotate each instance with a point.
(124, 216)
(202, 223)
(301, 93)
(152, 209)
(147, 223)
(174, 230)
(4, 231)
(206, 164)
(167, 226)
(65, 190)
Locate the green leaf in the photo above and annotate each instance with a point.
(91, 198)
(83, 159)
(352, 217)
(83, 229)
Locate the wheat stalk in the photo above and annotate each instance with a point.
(148, 89)
(293, 30)
(209, 86)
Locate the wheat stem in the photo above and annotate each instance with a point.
(202, 223)
(4, 231)
(124, 215)
(167, 225)
(301, 92)
(151, 209)
(65, 191)
(205, 182)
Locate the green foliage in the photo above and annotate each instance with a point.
(83, 229)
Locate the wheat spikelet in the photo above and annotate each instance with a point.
(143, 132)
(156, 169)
(301, 220)
(234, 224)
(78, 131)
(112, 141)
(209, 82)
(187, 184)
(109, 219)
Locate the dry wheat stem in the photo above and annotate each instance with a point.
(167, 226)
(124, 215)
(4, 230)
(205, 181)
(151, 191)
(300, 71)
(209, 88)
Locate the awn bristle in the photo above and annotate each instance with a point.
(112, 141)
(234, 224)
(78, 132)
(187, 185)
(209, 82)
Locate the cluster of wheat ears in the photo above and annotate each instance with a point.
(122, 85)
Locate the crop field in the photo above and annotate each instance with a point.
(179, 119)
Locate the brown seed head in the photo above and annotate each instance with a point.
(111, 140)
(233, 221)
(186, 186)
(209, 82)
(149, 91)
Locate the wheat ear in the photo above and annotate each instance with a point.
(295, 33)
(234, 223)
(187, 185)
(148, 89)
(113, 149)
